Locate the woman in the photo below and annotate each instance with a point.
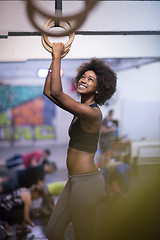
(96, 83)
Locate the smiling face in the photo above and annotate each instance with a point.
(87, 84)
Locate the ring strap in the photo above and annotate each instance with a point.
(58, 10)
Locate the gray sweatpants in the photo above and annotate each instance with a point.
(78, 203)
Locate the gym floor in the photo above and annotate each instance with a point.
(144, 186)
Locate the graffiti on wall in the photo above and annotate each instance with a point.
(25, 114)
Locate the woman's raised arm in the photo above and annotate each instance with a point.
(54, 91)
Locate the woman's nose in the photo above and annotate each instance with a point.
(83, 80)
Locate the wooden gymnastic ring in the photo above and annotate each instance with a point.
(89, 5)
(45, 45)
(79, 17)
(45, 41)
(49, 25)
(56, 34)
(48, 48)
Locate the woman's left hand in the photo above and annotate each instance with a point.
(58, 49)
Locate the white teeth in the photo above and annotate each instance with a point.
(81, 86)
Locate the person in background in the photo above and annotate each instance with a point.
(108, 129)
(116, 175)
(29, 159)
(51, 190)
(27, 177)
(15, 206)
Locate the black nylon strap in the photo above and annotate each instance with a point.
(58, 8)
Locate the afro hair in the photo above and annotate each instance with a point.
(106, 78)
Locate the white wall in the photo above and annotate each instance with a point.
(138, 85)
(24, 48)
(141, 84)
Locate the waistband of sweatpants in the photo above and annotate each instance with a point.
(86, 175)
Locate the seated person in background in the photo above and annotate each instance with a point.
(27, 177)
(108, 129)
(51, 190)
(116, 174)
(15, 206)
(27, 159)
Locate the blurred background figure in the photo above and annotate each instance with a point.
(108, 130)
(26, 159)
(27, 177)
(52, 192)
(117, 175)
(15, 207)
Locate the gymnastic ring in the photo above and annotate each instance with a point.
(45, 41)
(89, 5)
(56, 34)
(48, 48)
(49, 25)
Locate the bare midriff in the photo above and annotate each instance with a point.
(79, 162)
